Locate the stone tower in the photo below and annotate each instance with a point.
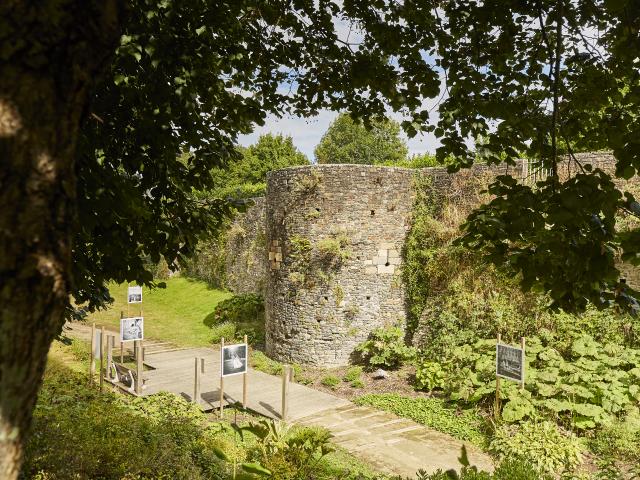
(334, 237)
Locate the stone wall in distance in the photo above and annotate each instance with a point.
(246, 253)
(335, 234)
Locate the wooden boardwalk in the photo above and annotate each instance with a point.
(175, 372)
(169, 368)
(392, 444)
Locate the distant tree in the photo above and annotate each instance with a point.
(246, 177)
(347, 141)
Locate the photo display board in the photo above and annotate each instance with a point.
(134, 294)
(234, 359)
(131, 329)
(510, 362)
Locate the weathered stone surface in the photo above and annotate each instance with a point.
(316, 313)
(320, 320)
(246, 253)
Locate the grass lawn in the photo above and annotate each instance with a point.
(174, 314)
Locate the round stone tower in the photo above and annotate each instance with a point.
(334, 235)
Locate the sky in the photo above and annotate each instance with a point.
(307, 132)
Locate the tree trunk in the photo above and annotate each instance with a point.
(50, 54)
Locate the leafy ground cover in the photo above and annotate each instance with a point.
(177, 313)
(433, 412)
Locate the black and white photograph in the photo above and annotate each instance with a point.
(509, 362)
(234, 359)
(134, 294)
(131, 328)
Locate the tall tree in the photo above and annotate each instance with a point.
(98, 98)
(537, 78)
(346, 141)
(247, 176)
(81, 207)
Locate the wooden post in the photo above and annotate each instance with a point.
(101, 356)
(244, 377)
(496, 405)
(196, 383)
(221, 377)
(92, 364)
(139, 369)
(285, 392)
(522, 345)
(121, 342)
(109, 355)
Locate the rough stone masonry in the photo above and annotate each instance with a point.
(327, 246)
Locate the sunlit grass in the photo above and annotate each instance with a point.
(175, 313)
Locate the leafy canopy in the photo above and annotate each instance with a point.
(189, 76)
(346, 141)
(521, 79)
(533, 79)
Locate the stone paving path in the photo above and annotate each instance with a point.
(390, 443)
(394, 444)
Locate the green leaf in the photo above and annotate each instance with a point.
(256, 468)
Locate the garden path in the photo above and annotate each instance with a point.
(392, 444)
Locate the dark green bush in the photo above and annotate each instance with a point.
(82, 434)
(238, 316)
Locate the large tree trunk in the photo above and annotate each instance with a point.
(50, 54)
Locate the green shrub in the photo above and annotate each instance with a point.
(357, 383)
(620, 439)
(430, 376)
(432, 412)
(330, 381)
(541, 444)
(590, 387)
(82, 434)
(352, 374)
(238, 316)
(262, 363)
(288, 452)
(385, 348)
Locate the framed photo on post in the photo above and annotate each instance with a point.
(134, 294)
(131, 329)
(234, 359)
(510, 362)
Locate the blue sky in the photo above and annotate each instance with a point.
(306, 133)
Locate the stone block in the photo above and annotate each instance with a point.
(395, 261)
(394, 253)
(384, 269)
(371, 270)
(387, 245)
(383, 253)
(279, 257)
(368, 262)
(380, 260)
(271, 255)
